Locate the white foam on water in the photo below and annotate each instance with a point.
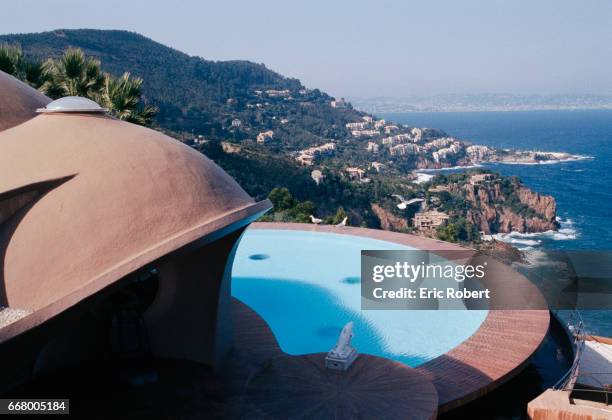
(523, 240)
(517, 238)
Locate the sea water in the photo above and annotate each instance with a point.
(582, 189)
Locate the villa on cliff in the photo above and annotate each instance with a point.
(338, 103)
(355, 174)
(478, 179)
(429, 221)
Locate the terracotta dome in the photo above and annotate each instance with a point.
(18, 101)
(86, 199)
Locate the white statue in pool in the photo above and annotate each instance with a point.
(343, 354)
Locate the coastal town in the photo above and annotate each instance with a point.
(378, 140)
(366, 148)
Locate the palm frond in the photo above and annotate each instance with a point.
(10, 58)
(122, 96)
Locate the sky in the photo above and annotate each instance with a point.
(370, 48)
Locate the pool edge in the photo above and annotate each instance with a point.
(501, 348)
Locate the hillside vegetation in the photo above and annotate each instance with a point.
(312, 154)
(192, 93)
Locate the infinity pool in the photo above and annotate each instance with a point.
(306, 286)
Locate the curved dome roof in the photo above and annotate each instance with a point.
(93, 199)
(18, 101)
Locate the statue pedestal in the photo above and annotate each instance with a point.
(337, 362)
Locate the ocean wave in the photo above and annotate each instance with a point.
(564, 236)
(567, 226)
(566, 233)
(526, 242)
(517, 238)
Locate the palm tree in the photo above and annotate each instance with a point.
(122, 96)
(10, 56)
(13, 62)
(72, 74)
(32, 73)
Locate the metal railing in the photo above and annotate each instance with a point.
(568, 382)
(575, 328)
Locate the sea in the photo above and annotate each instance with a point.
(582, 188)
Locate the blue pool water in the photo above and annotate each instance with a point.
(306, 286)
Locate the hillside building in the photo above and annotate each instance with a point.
(379, 124)
(357, 125)
(429, 221)
(265, 136)
(378, 167)
(338, 103)
(355, 174)
(478, 179)
(372, 147)
(364, 133)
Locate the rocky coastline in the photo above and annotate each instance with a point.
(480, 204)
(491, 214)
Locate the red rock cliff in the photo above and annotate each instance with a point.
(492, 212)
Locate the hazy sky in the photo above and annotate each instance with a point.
(375, 48)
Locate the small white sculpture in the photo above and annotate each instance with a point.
(343, 346)
(342, 356)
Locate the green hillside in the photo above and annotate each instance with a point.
(309, 153)
(194, 94)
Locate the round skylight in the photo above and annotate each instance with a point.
(75, 104)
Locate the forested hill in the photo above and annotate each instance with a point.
(191, 92)
(310, 153)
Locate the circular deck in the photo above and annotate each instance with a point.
(497, 351)
(299, 387)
